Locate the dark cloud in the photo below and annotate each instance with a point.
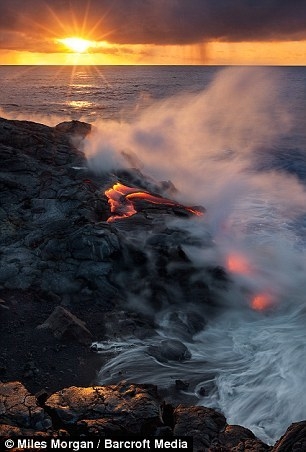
(152, 21)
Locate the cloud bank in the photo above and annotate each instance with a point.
(150, 21)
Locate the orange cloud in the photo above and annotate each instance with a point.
(213, 53)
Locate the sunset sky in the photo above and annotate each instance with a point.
(153, 32)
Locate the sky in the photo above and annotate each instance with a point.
(261, 32)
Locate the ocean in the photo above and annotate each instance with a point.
(92, 93)
(232, 139)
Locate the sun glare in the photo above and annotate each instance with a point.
(77, 45)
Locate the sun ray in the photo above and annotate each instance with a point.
(84, 23)
(98, 23)
(57, 19)
(74, 22)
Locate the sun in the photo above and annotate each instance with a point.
(77, 45)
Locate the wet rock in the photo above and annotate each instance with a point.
(186, 325)
(203, 424)
(293, 440)
(235, 437)
(181, 385)
(67, 326)
(170, 350)
(19, 408)
(202, 391)
(210, 431)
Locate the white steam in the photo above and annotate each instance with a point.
(193, 137)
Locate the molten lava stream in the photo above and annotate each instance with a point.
(119, 203)
(238, 264)
(263, 301)
(120, 198)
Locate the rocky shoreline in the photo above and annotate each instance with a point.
(127, 410)
(66, 275)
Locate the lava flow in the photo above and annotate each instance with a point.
(236, 263)
(262, 301)
(122, 201)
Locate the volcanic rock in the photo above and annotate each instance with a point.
(129, 409)
(117, 410)
(19, 408)
(210, 431)
(203, 424)
(47, 213)
(293, 440)
(124, 407)
(10, 430)
(170, 350)
(235, 437)
(128, 324)
(81, 129)
(65, 325)
(181, 385)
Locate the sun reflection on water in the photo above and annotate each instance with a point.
(79, 104)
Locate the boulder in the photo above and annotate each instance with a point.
(74, 127)
(235, 437)
(170, 350)
(210, 431)
(203, 424)
(67, 326)
(123, 407)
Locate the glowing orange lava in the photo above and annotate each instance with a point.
(238, 264)
(121, 200)
(262, 301)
